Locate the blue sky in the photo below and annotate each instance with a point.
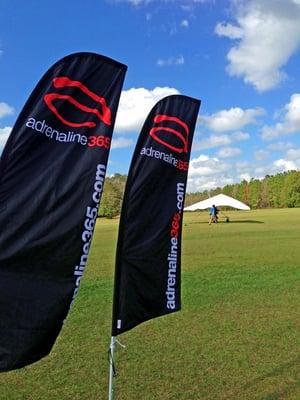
(241, 58)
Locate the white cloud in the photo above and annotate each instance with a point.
(228, 152)
(294, 154)
(290, 161)
(212, 141)
(266, 34)
(228, 30)
(261, 155)
(121, 142)
(205, 165)
(293, 111)
(290, 122)
(285, 165)
(134, 2)
(242, 166)
(263, 170)
(4, 133)
(135, 105)
(244, 170)
(233, 119)
(186, 7)
(170, 61)
(245, 177)
(280, 146)
(185, 23)
(6, 110)
(145, 2)
(206, 173)
(219, 140)
(240, 136)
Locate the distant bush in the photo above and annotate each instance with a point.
(112, 196)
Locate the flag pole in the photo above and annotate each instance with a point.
(111, 367)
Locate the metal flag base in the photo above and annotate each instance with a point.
(112, 372)
(112, 369)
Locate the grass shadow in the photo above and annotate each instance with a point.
(284, 391)
(246, 221)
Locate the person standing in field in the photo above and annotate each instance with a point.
(213, 212)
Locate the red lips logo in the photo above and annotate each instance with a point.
(103, 114)
(158, 133)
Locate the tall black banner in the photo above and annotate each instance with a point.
(147, 277)
(52, 173)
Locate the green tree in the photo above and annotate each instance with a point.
(112, 196)
(254, 195)
(291, 189)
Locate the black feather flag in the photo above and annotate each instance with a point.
(52, 173)
(147, 277)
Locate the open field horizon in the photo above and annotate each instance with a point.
(236, 338)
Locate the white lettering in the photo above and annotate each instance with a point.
(89, 224)
(168, 158)
(174, 243)
(42, 127)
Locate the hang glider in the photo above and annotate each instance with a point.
(219, 201)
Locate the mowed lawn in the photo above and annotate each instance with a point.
(237, 336)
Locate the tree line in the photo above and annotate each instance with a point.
(274, 191)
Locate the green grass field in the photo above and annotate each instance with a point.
(237, 336)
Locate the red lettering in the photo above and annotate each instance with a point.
(182, 165)
(175, 225)
(99, 141)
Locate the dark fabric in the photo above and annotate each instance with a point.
(51, 177)
(147, 277)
